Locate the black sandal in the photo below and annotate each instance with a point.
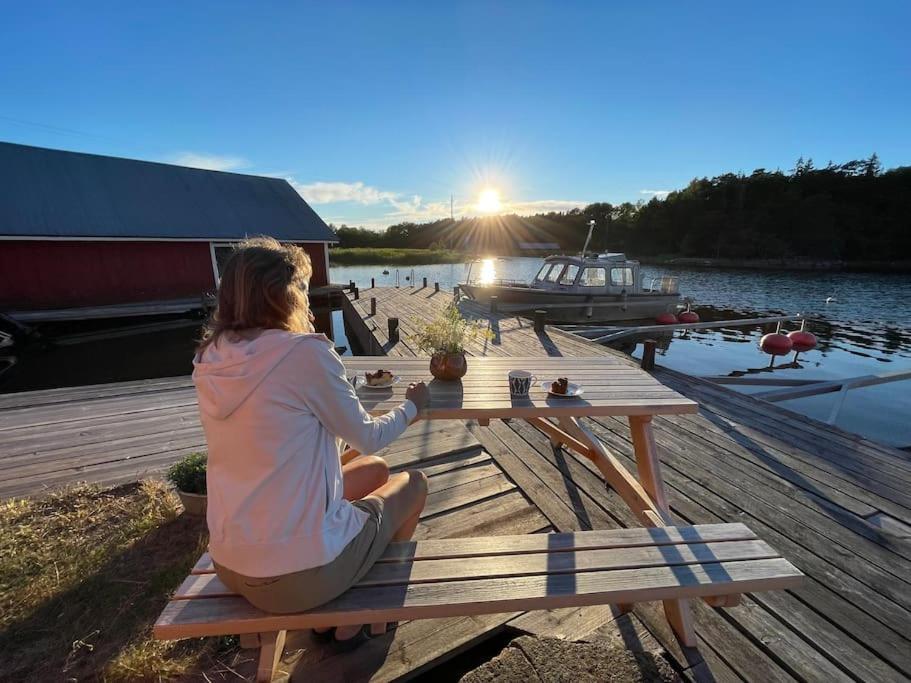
(390, 627)
(323, 636)
(352, 643)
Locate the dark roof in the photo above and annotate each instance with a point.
(52, 193)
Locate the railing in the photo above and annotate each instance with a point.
(499, 282)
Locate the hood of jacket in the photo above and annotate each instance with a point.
(226, 373)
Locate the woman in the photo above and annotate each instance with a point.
(291, 527)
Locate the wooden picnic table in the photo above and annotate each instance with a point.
(610, 387)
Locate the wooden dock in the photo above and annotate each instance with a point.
(837, 505)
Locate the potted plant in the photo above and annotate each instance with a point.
(189, 478)
(445, 339)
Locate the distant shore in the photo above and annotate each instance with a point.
(364, 256)
(781, 264)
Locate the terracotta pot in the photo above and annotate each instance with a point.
(193, 503)
(448, 366)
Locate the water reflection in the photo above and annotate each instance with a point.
(487, 274)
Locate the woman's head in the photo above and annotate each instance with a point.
(264, 285)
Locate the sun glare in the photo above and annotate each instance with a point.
(489, 201)
(488, 272)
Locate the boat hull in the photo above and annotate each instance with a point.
(565, 307)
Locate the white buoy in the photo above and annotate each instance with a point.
(831, 299)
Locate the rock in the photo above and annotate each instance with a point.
(510, 666)
(549, 660)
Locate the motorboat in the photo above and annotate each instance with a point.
(584, 288)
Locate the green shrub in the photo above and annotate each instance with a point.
(189, 474)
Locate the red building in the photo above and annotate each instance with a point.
(79, 230)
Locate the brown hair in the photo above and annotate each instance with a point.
(263, 286)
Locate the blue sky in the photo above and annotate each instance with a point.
(377, 112)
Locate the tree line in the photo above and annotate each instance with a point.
(853, 211)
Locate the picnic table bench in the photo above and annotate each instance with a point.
(431, 578)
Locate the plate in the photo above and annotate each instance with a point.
(572, 390)
(362, 382)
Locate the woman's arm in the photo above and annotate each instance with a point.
(332, 399)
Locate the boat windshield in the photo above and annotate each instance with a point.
(545, 269)
(569, 275)
(554, 273)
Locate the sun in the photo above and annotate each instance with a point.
(489, 200)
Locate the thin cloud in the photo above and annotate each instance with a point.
(210, 162)
(660, 194)
(333, 192)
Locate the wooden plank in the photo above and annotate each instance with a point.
(466, 494)
(415, 647)
(570, 623)
(510, 566)
(519, 544)
(216, 616)
(509, 513)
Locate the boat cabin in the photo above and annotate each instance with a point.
(602, 274)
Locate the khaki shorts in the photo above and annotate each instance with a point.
(310, 588)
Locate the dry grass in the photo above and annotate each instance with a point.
(84, 573)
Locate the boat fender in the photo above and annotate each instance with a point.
(588, 309)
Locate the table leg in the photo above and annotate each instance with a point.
(647, 500)
(677, 611)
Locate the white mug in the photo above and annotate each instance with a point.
(520, 382)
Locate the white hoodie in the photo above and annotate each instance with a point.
(275, 411)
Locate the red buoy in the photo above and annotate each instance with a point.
(802, 341)
(688, 317)
(776, 344)
(666, 319)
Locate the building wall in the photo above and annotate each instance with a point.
(38, 274)
(317, 254)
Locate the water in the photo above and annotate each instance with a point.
(866, 330)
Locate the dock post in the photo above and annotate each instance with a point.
(436, 286)
(372, 283)
(357, 293)
(350, 285)
(493, 303)
(539, 320)
(373, 305)
(648, 355)
(425, 283)
(393, 329)
(455, 292)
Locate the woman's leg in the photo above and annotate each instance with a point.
(364, 475)
(403, 499)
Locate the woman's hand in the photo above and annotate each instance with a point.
(419, 394)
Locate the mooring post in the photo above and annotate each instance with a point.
(350, 285)
(539, 320)
(393, 329)
(373, 305)
(425, 283)
(436, 286)
(372, 283)
(455, 292)
(493, 303)
(357, 294)
(648, 355)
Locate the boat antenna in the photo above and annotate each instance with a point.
(591, 226)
